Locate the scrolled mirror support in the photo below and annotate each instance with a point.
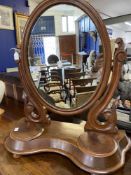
(32, 112)
(98, 109)
(34, 116)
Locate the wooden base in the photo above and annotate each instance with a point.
(93, 152)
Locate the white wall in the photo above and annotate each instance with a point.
(58, 22)
(117, 33)
(128, 37)
(57, 13)
(125, 35)
(32, 5)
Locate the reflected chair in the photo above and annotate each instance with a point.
(68, 57)
(69, 71)
(83, 83)
(54, 86)
(80, 89)
(56, 75)
(81, 98)
(83, 93)
(67, 75)
(71, 76)
(44, 78)
(46, 97)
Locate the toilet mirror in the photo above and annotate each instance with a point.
(64, 53)
(48, 57)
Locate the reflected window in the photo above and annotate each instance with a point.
(71, 24)
(64, 24)
(68, 24)
(50, 46)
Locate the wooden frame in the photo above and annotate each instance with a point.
(29, 85)
(101, 147)
(6, 18)
(20, 21)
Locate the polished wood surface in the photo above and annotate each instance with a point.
(91, 151)
(79, 151)
(42, 163)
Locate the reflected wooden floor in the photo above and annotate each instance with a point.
(38, 164)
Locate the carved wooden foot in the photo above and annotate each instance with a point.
(16, 156)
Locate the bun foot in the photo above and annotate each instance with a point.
(16, 156)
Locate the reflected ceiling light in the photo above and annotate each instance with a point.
(128, 23)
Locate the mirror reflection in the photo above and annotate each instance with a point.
(65, 56)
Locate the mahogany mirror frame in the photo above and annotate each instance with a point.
(28, 84)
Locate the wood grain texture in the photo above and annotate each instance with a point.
(42, 163)
(91, 158)
(91, 151)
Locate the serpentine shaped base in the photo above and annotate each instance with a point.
(91, 151)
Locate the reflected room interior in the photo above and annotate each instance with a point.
(65, 56)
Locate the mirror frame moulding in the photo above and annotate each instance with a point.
(25, 75)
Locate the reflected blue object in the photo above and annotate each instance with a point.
(38, 48)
